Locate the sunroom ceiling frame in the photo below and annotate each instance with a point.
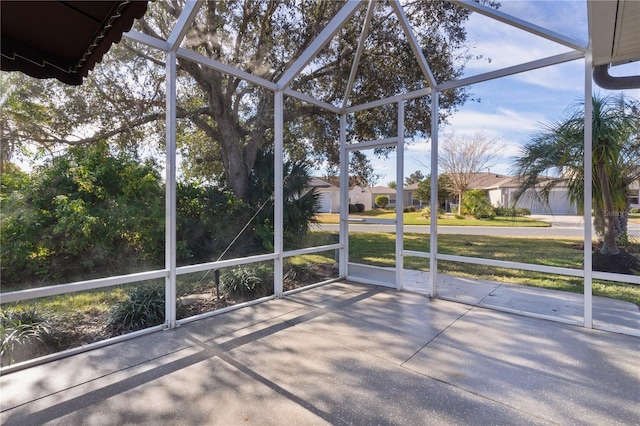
(282, 87)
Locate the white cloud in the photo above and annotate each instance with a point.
(500, 121)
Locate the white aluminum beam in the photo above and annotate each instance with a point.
(147, 40)
(312, 101)
(356, 60)
(413, 42)
(513, 265)
(171, 183)
(521, 24)
(316, 45)
(58, 289)
(344, 200)
(400, 197)
(588, 192)
(312, 250)
(434, 202)
(380, 143)
(278, 204)
(621, 278)
(224, 68)
(516, 69)
(185, 20)
(190, 269)
(390, 100)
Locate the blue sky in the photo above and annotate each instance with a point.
(513, 108)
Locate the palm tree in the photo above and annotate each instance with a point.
(555, 156)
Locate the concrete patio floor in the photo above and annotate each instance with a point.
(342, 353)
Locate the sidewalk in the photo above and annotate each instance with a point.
(539, 301)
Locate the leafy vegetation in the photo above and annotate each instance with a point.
(86, 210)
(247, 281)
(475, 203)
(143, 307)
(555, 156)
(21, 328)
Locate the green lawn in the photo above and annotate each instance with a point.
(443, 220)
(377, 248)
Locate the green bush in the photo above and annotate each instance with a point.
(360, 207)
(90, 208)
(247, 281)
(382, 201)
(302, 271)
(143, 307)
(20, 330)
(475, 203)
(300, 203)
(511, 211)
(353, 208)
(426, 212)
(634, 210)
(409, 209)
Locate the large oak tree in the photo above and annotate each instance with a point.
(223, 120)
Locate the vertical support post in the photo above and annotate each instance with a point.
(344, 199)
(278, 185)
(588, 191)
(400, 196)
(170, 202)
(433, 226)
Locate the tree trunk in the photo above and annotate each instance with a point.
(609, 245)
(460, 204)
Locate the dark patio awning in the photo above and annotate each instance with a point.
(62, 39)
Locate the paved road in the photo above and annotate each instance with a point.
(561, 226)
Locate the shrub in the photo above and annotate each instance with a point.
(382, 201)
(504, 211)
(426, 212)
(409, 209)
(143, 307)
(20, 330)
(353, 208)
(634, 210)
(247, 281)
(302, 271)
(360, 207)
(475, 203)
(485, 212)
(511, 211)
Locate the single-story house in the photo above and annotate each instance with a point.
(501, 191)
(634, 194)
(329, 194)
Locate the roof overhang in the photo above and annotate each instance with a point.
(614, 29)
(62, 39)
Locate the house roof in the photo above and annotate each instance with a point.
(317, 182)
(488, 180)
(62, 39)
(615, 31)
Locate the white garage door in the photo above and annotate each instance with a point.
(325, 202)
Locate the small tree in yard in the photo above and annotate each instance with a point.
(423, 192)
(461, 157)
(476, 204)
(382, 201)
(555, 156)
